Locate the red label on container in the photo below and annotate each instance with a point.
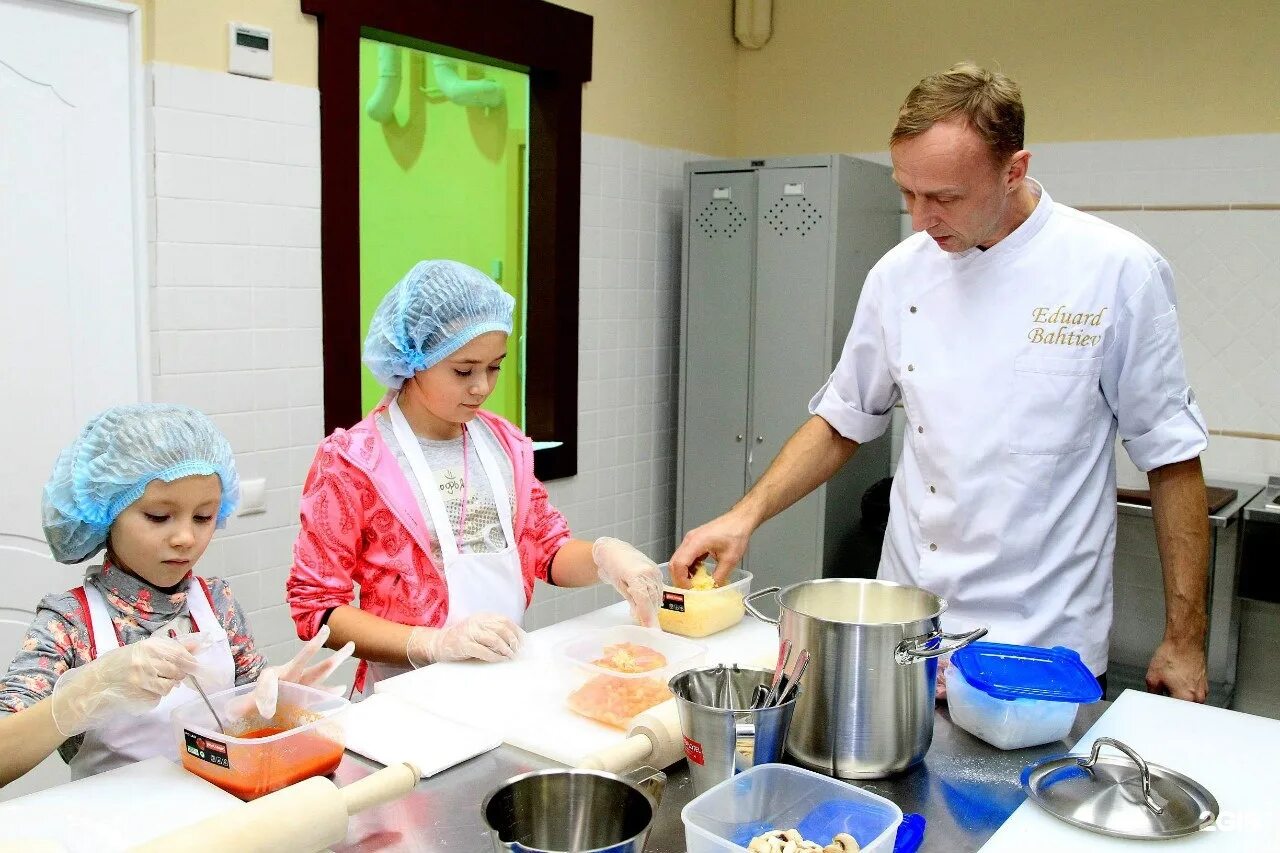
(673, 601)
(205, 749)
(693, 750)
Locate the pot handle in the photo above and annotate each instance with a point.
(768, 590)
(649, 780)
(915, 649)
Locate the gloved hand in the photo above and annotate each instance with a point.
(633, 575)
(484, 636)
(129, 680)
(267, 689)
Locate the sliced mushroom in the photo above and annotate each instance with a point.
(848, 844)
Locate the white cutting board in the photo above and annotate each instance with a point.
(114, 810)
(389, 730)
(1234, 755)
(522, 700)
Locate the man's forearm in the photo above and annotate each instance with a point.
(1180, 510)
(809, 458)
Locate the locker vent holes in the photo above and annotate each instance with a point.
(793, 215)
(721, 218)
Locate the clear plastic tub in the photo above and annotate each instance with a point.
(611, 674)
(699, 613)
(1017, 696)
(778, 796)
(257, 756)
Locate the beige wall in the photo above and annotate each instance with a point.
(835, 71)
(662, 70)
(667, 72)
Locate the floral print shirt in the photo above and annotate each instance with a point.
(58, 637)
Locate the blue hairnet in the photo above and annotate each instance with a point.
(435, 310)
(113, 459)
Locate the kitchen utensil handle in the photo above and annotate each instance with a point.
(784, 655)
(793, 680)
(769, 590)
(383, 786)
(915, 649)
(1143, 771)
(650, 780)
(195, 682)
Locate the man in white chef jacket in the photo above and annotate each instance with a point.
(1019, 336)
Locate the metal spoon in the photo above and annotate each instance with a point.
(784, 655)
(802, 663)
(195, 682)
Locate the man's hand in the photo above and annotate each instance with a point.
(1179, 670)
(724, 538)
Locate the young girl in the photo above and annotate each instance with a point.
(98, 672)
(430, 504)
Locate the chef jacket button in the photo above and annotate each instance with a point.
(919, 429)
(911, 367)
(933, 546)
(913, 309)
(933, 490)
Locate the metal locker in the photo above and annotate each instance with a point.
(720, 268)
(775, 252)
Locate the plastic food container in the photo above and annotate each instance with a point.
(1016, 696)
(778, 796)
(258, 756)
(697, 613)
(612, 674)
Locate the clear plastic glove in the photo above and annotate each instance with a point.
(129, 680)
(297, 671)
(940, 696)
(484, 636)
(633, 575)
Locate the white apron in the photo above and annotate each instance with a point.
(477, 583)
(130, 737)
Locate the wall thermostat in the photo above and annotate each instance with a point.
(249, 51)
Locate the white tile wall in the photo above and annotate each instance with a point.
(236, 300)
(630, 283)
(236, 322)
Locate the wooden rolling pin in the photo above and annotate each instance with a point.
(302, 818)
(654, 740)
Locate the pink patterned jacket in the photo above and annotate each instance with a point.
(361, 525)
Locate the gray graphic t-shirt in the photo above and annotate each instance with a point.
(483, 531)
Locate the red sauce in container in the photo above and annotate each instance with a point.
(263, 732)
(258, 770)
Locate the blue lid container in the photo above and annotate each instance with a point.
(1007, 671)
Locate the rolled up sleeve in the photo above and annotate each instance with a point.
(857, 400)
(1145, 379)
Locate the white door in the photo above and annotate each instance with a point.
(70, 269)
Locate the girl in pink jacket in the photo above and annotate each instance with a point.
(430, 505)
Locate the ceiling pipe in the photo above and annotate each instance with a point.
(752, 22)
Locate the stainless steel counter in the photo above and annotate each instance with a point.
(965, 789)
(1224, 517)
(1266, 506)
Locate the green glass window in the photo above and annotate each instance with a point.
(443, 174)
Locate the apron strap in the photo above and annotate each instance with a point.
(200, 607)
(78, 592)
(101, 628)
(412, 450)
(497, 485)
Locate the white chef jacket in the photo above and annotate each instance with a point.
(1016, 366)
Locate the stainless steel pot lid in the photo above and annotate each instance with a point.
(1122, 796)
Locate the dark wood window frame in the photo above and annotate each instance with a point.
(554, 45)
